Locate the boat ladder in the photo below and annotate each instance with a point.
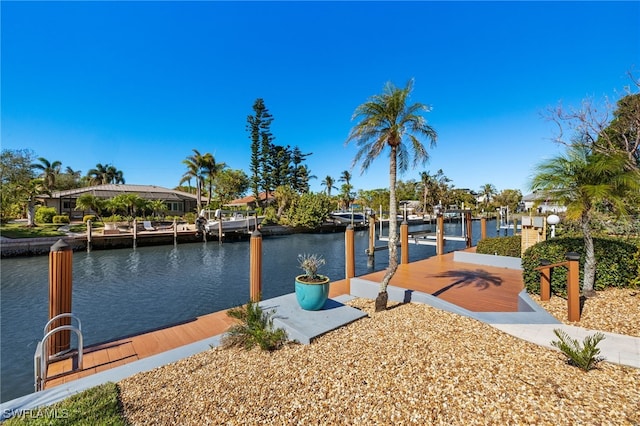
(41, 358)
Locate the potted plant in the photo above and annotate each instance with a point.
(111, 222)
(312, 289)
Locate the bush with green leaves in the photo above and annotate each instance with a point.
(309, 211)
(270, 216)
(87, 217)
(190, 217)
(45, 214)
(255, 328)
(502, 246)
(616, 262)
(61, 218)
(585, 355)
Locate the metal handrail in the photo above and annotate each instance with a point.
(57, 317)
(41, 359)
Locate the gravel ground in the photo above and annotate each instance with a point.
(616, 310)
(412, 364)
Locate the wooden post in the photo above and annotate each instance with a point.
(255, 265)
(89, 235)
(483, 228)
(404, 242)
(135, 232)
(350, 255)
(440, 236)
(545, 280)
(371, 252)
(573, 286)
(60, 289)
(467, 215)
(515, 226)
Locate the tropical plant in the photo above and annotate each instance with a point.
(194, 171)
(585, 355)
(255, 328)
(45, 214)
(309, 210)
(487, 191)
(49, 172)
(310, 263)
(28, 193)
(385, 120)
(211, 169)
(89, 201)
(582, 181)
(104, 174)
(328, 184)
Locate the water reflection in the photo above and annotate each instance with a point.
(127, 291)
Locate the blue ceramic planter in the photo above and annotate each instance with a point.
(312, 297)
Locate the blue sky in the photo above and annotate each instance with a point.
(139, 84)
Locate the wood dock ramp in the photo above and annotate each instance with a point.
(474, 287)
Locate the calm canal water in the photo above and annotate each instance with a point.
(126, 291)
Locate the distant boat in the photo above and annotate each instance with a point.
(348, 218)
(231, 221)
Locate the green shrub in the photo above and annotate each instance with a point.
(45, 214)
(270, 216)
(616, 262)
(91, 217)
(255, 328)
(583, 356)
(502, 246)
(61, 218)
(190, 217)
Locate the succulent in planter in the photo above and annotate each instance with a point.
(310, 263)
(312, 289)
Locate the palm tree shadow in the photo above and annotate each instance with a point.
(464, 277)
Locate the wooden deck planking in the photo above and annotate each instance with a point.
(475, 287)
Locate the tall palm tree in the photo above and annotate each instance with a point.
(346, 188)
(386, 120)
(104, 174)
(27, 193)
(195, 171)
(50, 171)
(210, 168)
(328, 183)
(583, 180)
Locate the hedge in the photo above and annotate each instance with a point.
(617, 262)
(501, 246)
(60, 218)
(45, 214)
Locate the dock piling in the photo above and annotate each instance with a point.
(255, 262)
(404, 242)
(60, 291)
(350, 255)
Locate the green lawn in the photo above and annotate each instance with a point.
(18, 230)
(95, 406)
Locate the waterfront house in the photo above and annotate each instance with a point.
(178, 202)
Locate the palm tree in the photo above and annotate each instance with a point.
(346, 188)
(89, 201)
(49, 172)
(487, 191)
(328, 183)
(583, 180)
(210, 168)
(104, 174)
(27, 192)
(385, 120)
(194, 170)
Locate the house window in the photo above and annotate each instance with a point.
(66, 205)
(173, 206)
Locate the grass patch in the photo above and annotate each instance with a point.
(18, 230)
(95, 406)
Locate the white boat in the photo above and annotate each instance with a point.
(231, 221)
(348, 218)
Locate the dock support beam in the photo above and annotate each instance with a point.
(404, 243)
(60, 290)
(469, 228)
(371, 257)
(573, 286)
(175, 231)
(350, 255)
(440, 235)
(483, 228)
(135, 233)
(255, 265)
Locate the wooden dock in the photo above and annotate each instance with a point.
(474, 287)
